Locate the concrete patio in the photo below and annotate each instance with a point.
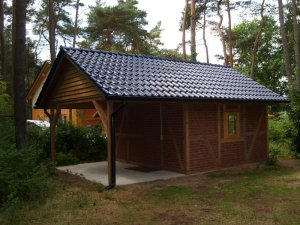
(126, 173)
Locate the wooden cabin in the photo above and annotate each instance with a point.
(163, 113)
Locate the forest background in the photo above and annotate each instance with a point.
(263, 44)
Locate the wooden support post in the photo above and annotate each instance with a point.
(186, 138)
(109, 110)
(161, 136)
(267, 130)
(219, 134)
(54, 115)
(245, 131)
(71, 115)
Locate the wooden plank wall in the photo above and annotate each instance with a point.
(72, 85)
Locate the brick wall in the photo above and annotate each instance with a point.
(142, 140)
(208, 147)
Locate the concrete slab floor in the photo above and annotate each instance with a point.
(125, 174)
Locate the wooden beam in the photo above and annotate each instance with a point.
(206, 140)
(186, 137)
(267, 129)
(245, 131)
(262, 116)
(219, 115)
(177, 149)
(103, 116)
(161, 136)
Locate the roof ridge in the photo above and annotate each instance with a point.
(146, 56)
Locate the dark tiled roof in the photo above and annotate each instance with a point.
(124, 75)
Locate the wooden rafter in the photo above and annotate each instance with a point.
(186, 138)
(102, 115)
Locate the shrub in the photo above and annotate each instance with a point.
(40, 138)
(279, 139)
(23, 176)
(63, 159)
(85, 143)
(73, 144)
(294, 115)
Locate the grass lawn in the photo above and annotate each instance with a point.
(263, 195)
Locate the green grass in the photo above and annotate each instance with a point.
(265, 195)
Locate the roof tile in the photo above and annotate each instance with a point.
(122, 75)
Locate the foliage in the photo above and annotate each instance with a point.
(269, 69)
(67, 158)
(7, 136)
(280, 128)
(85, 143)
(22, 176)
(294, 115)
(39, 137)
(63, 21)
(73, 143)
(5, 100)
(120, 28)
(170, 53)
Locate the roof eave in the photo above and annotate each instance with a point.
(189, 99)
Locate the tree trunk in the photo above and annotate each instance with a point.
(220, 31)
(76, 23)
(2, 44)
(183, 28)
(255, 45)
(204, 32)
(19, 74)
(193, 30)
(286, 56)
(51, 30)
(296, 40)
(229, 34)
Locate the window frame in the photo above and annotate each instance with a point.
(226, 123)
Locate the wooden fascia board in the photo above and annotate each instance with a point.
(43, 73)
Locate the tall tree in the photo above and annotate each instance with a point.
(256, 42)
(51, 24)
(19, 74)
(296, 39)
(77, 5)
(286, 55)
(229, 34)
(183, 28)
(204, 31)
(193, 30)
(220, 31)
(2, 43)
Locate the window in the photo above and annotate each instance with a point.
(232, 125)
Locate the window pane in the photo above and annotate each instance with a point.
(232, 125)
